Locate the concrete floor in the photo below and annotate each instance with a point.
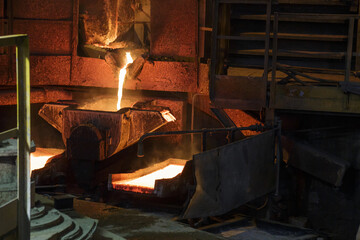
(119, 223)
(131, 224)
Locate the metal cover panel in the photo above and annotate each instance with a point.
(43, 9)
(232, 175)
(316, 98)
(47, 37)
(247, 93)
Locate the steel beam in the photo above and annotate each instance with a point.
(349, 49)
(21, 41)
(23, 124)
(12, 133)
(12, 40)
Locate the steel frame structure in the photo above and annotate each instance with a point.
(22, 131)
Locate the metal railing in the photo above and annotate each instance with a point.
(349, 47)
(346, 85)
(22, 131)
(214, 68)
(203, 132)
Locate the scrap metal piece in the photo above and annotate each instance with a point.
(63, 201)
(229, 176)
(318, 163)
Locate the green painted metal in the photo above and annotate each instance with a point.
(11, 133)
(12, 40)
(21, 41)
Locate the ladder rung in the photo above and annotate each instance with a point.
(245, 1)
(293, 36)
(244, 37)
(322, 18)
(292, 53)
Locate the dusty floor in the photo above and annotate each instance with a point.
(119, 223)
(131, 224)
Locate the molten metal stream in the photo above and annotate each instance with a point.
(122, 75)
(148, 181)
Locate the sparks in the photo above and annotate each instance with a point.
(122, 75)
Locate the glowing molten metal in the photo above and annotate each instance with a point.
(39, 158)
(146, 183)
(37, 162)
(122, 75)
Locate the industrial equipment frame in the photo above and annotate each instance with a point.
(278, 157)
(315, 98)
(257, 127)
(21, 132)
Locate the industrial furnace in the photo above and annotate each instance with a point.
(212, 107)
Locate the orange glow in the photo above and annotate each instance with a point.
(168, 116)
(39, 158)
(37, 162)
(122, 75)
(146, 183)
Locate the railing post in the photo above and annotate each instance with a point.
(349, 49)
(203, 142)
(274, 61)
(22, 131)
(214, 43)
(23, 124)
(275, 47)
(267, 40)
(279, 156)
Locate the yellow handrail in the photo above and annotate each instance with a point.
(22, 132)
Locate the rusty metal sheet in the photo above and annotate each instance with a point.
(46, 37)
(246, 93)
(165, 76)
(230, 176)
(53, 114)
(173, 28)
(46, 70)
(8, 97)
(204, 78)
(242, 119)
(93, 72)
(50, 70)
(43, 9)
(104, 21)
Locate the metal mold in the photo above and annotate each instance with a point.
(113, 131)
